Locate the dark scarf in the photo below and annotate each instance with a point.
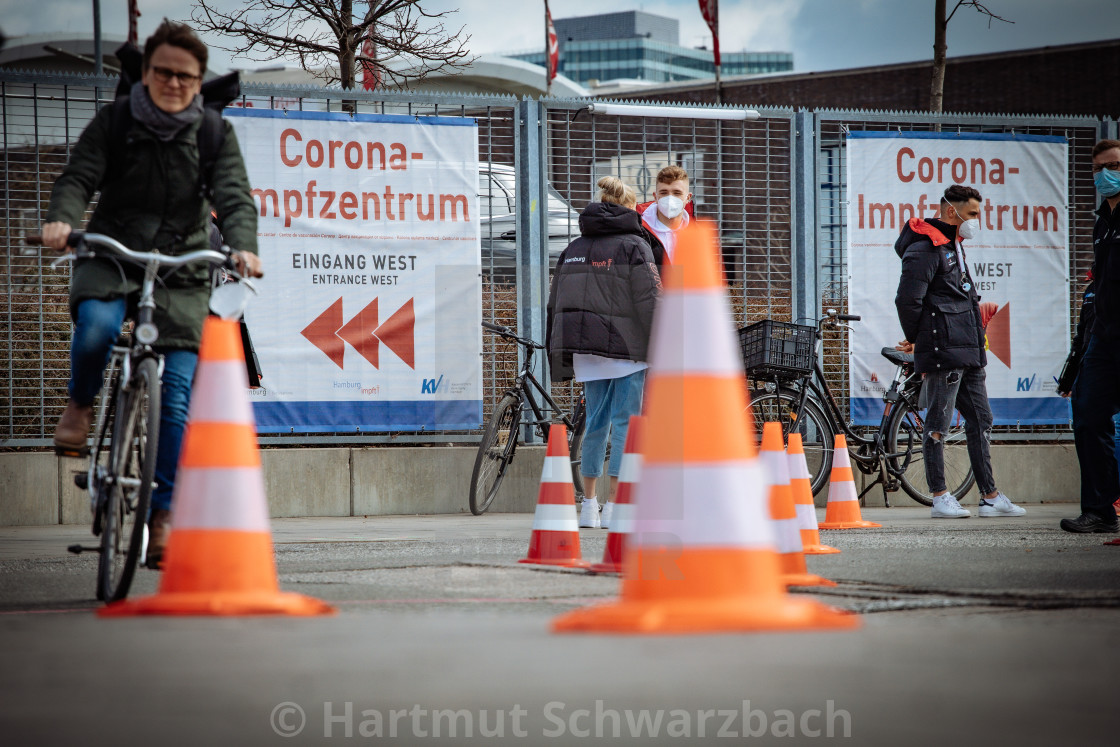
(165, 126)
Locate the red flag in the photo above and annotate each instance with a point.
(553, 45)
(710, 11)
(371, 76)
(133, 14)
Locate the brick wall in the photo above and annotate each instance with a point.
(1073, 79)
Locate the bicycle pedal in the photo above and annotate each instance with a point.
(79, 549)
(71, 452)
(81, 480)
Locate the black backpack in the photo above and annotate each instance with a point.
(217, 93)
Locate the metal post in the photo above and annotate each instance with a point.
(806, 263)
(532, 275)
(97, 68)
(1108, 129)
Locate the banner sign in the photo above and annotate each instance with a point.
(1019, 261)
(369, 314)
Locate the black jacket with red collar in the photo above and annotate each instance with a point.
(937, 303)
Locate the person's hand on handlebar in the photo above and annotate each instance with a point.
(247, 264)
(55, 235)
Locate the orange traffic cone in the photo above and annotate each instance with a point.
(701, 557)
(555, 537)
(219, 558)
(843, 501)
(784, 513)
(622, 520)
(802, 488)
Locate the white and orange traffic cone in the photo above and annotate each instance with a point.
(784, 512)
(622, 518)
(555, 536)
(219, 558)
(701, 557)
(802, 487)
(842, 511)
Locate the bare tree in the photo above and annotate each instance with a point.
(941, 22)
(326, 36)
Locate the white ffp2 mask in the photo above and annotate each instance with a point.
(670, 206)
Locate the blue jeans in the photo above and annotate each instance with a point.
(962, 389)
(610, 403)
(1096, 401)
(1116, 427)
(97, 325)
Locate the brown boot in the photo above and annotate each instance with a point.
(159, 527)
(73, 428)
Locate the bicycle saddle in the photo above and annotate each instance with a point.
(898, 357)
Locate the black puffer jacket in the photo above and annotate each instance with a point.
(937, 313)
(1106, 272)
(604, 291)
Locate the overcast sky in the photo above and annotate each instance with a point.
(822, 34)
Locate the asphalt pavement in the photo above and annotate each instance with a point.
(978, 631)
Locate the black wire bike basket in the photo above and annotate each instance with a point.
(773, 349)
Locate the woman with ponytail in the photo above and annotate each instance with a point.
(600, 309)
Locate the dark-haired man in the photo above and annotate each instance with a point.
(152, 200)
(1096, 392)
(939, 309)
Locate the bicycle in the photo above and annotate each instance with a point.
(122, 458)
(500, 437)
(800, 395)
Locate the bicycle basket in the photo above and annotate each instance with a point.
(773, 349)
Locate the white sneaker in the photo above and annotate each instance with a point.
(947, 507)
(589, 514)
(1001, 505)
(607, 513)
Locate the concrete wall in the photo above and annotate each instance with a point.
(38, 487)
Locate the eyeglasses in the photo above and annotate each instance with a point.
(164, 75)
(1111, 166)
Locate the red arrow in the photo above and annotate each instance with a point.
(999, 334)
(359, 332)
(321, 333)
(397, 333)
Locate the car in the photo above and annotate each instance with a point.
(497, 203)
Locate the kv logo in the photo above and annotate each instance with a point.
(1025, 385)
(329, 334)
(430, 386)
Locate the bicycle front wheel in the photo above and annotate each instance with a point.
(575, 447)
(132, 463)
(816, 432)
(904, 441)
(494, 453)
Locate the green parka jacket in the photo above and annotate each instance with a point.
(153, 201)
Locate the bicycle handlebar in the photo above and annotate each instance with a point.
(509, 334)
(88, 245)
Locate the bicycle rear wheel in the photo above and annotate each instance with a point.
(132, 465)
(904, 439)
(495, 451)
(816, 432)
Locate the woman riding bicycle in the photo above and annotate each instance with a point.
(150, 200)
(600, 310)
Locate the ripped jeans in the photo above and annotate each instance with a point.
(962, 389)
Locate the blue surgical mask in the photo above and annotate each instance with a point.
(1107, 182)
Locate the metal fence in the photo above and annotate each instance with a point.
(773, 185)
